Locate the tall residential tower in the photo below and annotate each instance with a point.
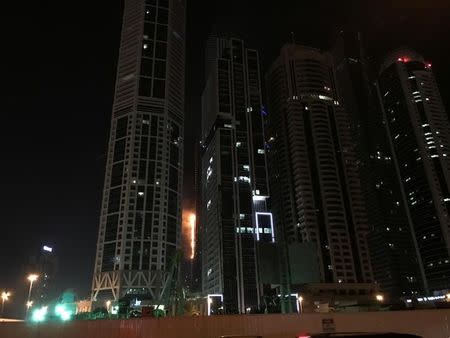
(235, 220)
(393, 256)
(314, 180)
(140, 219)
(419, 137)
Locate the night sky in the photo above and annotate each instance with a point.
(58, 71)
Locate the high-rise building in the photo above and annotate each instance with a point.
(197, 259)
(140, 221)
(235, 219)
(315, 187)
(45, 265)
(393, 255)
(419, 138)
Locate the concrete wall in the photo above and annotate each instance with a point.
(426, 323)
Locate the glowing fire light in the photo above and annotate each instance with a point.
(192, 219)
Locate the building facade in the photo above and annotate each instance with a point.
(419, 138)
(140, 221)
(315, 186)
(45, 265)
(234, 177)
(392, 250)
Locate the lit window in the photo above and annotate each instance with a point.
(246, 167)
(140, 193)
(261, 151)
(208, 205)
(244, 179)
(326, 98)
(238, 144)
(208, 173)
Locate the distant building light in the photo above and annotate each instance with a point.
(259, 198)
(261, 151)
(244, 179)
(326, 98)
(47, 248)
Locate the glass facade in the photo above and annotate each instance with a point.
(419, 136)
(140, 222)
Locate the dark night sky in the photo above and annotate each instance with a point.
(58, 69)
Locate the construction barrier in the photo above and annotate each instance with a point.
(425, 323)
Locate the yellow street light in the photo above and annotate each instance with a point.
(32, 278)
(379, 298)
(5, 297)
(447, 297)
(300, 304)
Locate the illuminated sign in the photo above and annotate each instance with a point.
(47, 248)
(258, 214)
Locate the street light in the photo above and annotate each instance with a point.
(447, 297)
(300, 303)
(379, 298)
(5, 297)
(108, 304)
(32, 278)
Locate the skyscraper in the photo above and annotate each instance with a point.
(235, 220)
(393, 255)
(419, 138)
(315, 186)
(140, 221)
(45, 265)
